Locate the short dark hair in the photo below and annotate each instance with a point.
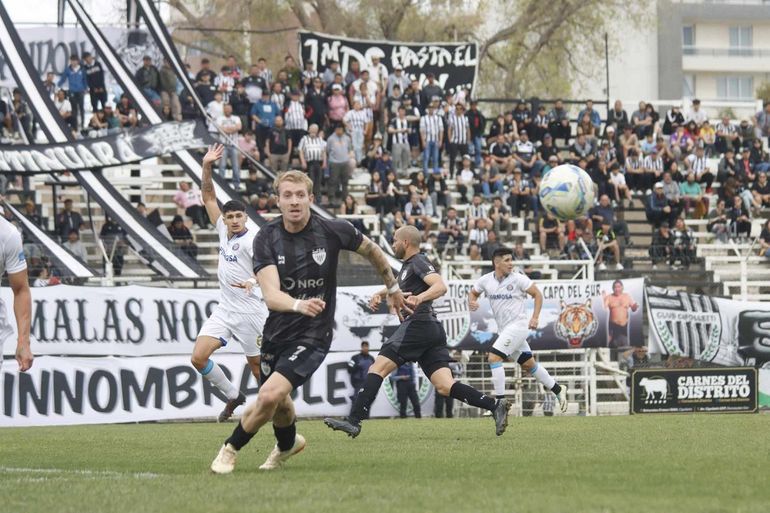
(501, 252)
(364, 343)
(233, 206)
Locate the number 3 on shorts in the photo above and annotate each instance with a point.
(294, 356)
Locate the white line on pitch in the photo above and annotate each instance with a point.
(80, 472)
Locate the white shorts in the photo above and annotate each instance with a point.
(512, 341)
(243, 327)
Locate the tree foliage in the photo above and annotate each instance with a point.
(527, 47)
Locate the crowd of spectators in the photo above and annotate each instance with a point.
(431, 153)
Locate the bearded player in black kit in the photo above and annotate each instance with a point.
(420, 338)
(295, 262)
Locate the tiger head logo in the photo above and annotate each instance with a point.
(576, 323)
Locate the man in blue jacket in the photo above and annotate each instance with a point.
(77, 82)
(358, 368)
(405, 382)
(263, 114)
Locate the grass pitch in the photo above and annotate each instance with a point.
(707, 463)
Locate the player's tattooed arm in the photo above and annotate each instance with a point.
(376, 257)
(207, 183)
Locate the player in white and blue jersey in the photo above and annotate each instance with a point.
(508, 291)
(13, 262)
(240, 314)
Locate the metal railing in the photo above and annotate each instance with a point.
(735, 51)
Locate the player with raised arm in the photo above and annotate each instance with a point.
(507, 290)
(420, 338)
(13, 262)
(295, 260)
(240, 314)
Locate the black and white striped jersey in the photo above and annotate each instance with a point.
(459, 128)
(432, 127)
(294, 116)
(312, 148)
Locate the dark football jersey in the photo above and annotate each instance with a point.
(307, 267)
(411, 278)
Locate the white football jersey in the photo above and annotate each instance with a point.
(235, 266)
(11, 249)
(508, 297)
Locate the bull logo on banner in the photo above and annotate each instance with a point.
(576, 323)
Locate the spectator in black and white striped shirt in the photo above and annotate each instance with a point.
(727, 135)
(432, 137)
(399, 141)
(225, 83)
(296, 124)
(459, 136)
(356, 124)
(312, 158)
(698, 164)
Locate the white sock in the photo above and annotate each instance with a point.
(498, 378)
(542, 376)
(214, 374)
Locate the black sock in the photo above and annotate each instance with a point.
(556, 388)
(240, 437)
(499, 397)
(470, 395)
(365, 397)
(285, 435)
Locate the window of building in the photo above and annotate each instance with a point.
(741, 40)
(688, 40)
(735, 88)
(688, 86)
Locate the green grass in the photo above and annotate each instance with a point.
(707, 463)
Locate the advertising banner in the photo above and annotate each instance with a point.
(764, 388)
(59, 391)
(453, 64)
(716, 330)
(117, 149)
(697, 390)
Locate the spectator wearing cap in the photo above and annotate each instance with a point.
(263, 114)
(431, 91)
(459, 136)
(657, 208)
(397, 78)
(399, 139)
(662, 246)
(337, 104)
(558, 122)
(148, 79)
(205, 71)
(432, 137)
(77, 82)
(696, 114)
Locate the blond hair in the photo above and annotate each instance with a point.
(294, 177)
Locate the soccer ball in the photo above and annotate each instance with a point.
(567, 192)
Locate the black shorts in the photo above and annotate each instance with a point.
(418, 341)
(295, 361)
(618, 333)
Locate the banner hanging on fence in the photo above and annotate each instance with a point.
(721, 331)
(145, 321)
(59, 390)
(717, 390)
(112, 150)
(453, 64)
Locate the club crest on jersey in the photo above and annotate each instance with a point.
(236, 246)
(319, 255)
(510, 287)
(403, 275)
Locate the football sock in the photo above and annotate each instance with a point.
(285, 435)
(540, 374)
(498, 378)
(470, 395)
(214, 374)
(240, 437)
(366, 397)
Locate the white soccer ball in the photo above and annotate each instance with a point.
(567, 192)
